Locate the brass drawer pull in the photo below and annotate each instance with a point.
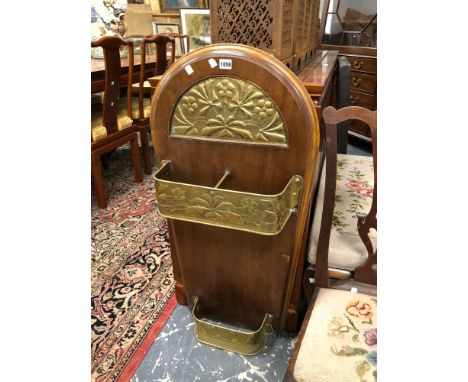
(356, 81)
(357, 65)
(353, 100)
(230, 339)
(218, 207)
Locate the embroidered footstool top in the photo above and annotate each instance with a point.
(354, 190)
(340, 342)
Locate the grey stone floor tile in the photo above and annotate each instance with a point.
(176, 356)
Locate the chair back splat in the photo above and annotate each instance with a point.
(160, 42)
(180, 36)
(367, 272)
(111, 46)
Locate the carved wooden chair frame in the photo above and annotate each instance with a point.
(180, 36)
(161, 42)
(111, 46)
(365, 273)
(332, 117)
(365, 277)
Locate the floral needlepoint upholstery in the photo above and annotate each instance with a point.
(340, 342)
(354, 190)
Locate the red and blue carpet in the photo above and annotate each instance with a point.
(132, 282)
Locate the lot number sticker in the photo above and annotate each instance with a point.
(212, 63)
(225, 64)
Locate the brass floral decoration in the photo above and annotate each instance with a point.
(228, 109)
(261, 214)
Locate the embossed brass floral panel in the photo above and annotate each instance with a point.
(228, 109)
(256, 213)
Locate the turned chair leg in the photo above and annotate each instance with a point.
(98, 181)
(146, 150)
(136, 159)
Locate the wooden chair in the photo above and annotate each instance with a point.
(184, 47)
(334, 228)
(143, 104)
(111, 122)
(338, 338)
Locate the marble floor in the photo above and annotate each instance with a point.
(176, 356)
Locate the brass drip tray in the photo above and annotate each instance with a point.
(214, 206)
(247, 343)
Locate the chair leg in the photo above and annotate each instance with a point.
(98, 181)
(146, 150)
(136, 159)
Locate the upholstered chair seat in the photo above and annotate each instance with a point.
(146, 85)
(146, 107)
(98, 131)
(340, 340)
(96, 99)
(354, 190)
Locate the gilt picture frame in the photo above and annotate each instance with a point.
(163, 27)
(175, 5)
(196, 23)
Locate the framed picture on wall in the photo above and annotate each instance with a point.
(173, 5)
(160, 27)
(196, 23)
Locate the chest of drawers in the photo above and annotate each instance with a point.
(351, 28)
(362, 89)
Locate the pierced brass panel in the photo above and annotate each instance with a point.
(256, 213)
(228, 109)
(231, 339)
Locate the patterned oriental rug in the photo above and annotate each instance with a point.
(132, 282)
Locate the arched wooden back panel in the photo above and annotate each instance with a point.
(236, 138)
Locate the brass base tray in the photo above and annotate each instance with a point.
(231, 339)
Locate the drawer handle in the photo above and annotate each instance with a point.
(356, 81)
(357, 65)
(353, 100)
